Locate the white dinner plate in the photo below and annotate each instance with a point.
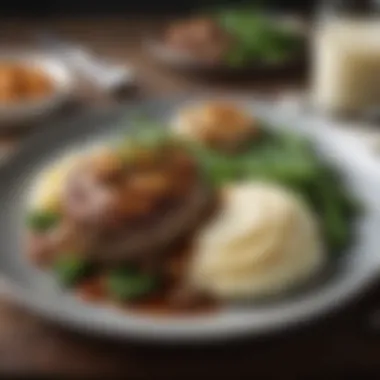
(35, 289)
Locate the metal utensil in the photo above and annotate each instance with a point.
(105, 75)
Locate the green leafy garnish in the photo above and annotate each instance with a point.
(289, 161)
(129, 284)
(257, 37)
(144, 135)
(41, 221)
(279, 157)
(70, 269)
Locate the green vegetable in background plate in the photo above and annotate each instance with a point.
(257, 37)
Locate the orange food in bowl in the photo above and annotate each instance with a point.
(20, 83)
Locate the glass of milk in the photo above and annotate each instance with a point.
(346, 58)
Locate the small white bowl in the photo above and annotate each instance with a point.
(20, 113)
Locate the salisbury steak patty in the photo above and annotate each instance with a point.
(121, 209)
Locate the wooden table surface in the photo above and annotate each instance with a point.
(341, 344)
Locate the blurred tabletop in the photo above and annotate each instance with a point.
(338, 345)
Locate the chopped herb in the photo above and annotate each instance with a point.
(129, 284)
(70, 269)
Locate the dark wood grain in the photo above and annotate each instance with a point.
(338, 345)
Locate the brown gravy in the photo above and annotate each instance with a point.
(170, 299)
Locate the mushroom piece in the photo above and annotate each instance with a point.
(216, 124)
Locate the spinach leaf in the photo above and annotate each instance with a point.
(128, 284)
(257, 37)
(70, 269)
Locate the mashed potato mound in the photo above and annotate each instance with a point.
(263, 242)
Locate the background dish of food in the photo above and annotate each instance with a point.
(37, 291)
(20, 83)
(232, 40)
(32, 86)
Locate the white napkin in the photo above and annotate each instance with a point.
(105, 75)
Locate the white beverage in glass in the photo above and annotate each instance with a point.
(346, 72)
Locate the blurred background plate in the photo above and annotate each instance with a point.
(20, 112)
(181, 60)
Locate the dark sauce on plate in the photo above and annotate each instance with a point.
(171, 299)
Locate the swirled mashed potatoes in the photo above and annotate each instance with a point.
(263, 242)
